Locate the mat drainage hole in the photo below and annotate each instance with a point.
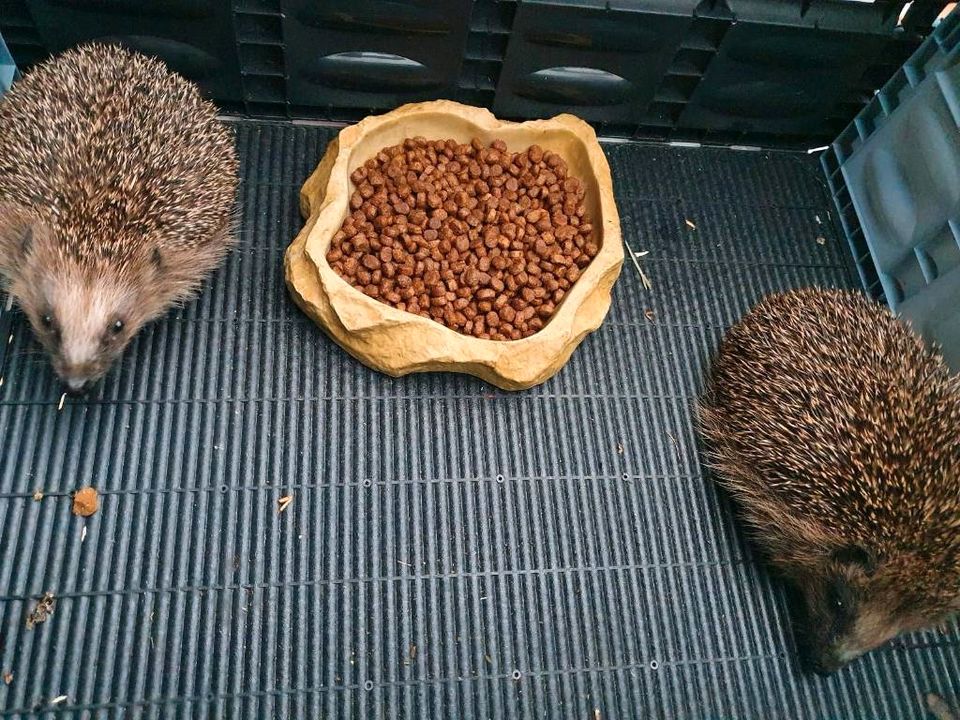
(654, 665)
(499, 478)
(223, 488)
(626, 476)
(368, 685)
(367, 483)
(516, 675)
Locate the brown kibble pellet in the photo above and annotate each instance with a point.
(481, 239)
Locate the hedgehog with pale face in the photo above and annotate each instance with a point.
(117, 185)
(837, 432)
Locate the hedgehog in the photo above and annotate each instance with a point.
(117, 188)
(836, 431)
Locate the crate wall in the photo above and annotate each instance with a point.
(20, 33)
(193, 37)
(792, 69)
(368, 55)
(894, 177)
(770, 72)
(600, 60)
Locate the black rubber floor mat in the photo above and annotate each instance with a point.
(451, 550)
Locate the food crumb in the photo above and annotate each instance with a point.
(7, 678)
(85, 502)
(649, 315)
(690, 224)
(821, 240)
(63, 399)
(58, 699)
(38, 495)
(42, 611)
(284, 502)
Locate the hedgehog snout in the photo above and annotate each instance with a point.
(80, 368)
(78, 378)
(825, 659)
(77, 385)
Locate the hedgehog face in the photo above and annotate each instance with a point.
(85, 327)
(852, 606)
(840, 622)
(83, 314)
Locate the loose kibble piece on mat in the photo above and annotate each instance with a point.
(85, 502)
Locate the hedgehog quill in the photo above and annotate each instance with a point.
(117, 185)
(837, 432)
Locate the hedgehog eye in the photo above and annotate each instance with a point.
(47, 321)
(842, 604)
(117, 327)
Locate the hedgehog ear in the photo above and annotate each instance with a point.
(856, 556)
(156, 258)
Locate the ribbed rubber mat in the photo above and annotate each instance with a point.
(451, 550)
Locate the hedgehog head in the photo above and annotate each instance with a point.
(854, 601)
(83, 311)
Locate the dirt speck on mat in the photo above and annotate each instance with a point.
(42, 611)
(85, 502)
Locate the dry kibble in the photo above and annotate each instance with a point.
(481, 239)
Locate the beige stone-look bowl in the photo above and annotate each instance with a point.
(397, 342)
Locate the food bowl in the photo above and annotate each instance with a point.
(396, 342)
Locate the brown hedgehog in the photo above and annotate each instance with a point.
(838, 434)
(117, 185)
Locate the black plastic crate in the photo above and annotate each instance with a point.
(370, 55)
(895, 177)
(20, 33)
(771, 72)
(601, 60)
(8, 68)
(491, 23)
(193, 37)
(797, 69)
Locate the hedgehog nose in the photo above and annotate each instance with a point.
(822, 663)
(77, 385)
